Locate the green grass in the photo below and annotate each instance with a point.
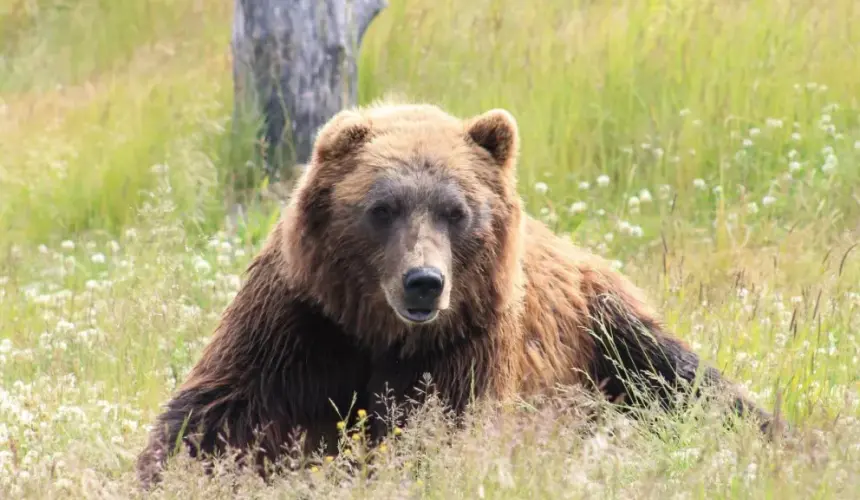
(740, 118)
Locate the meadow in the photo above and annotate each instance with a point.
(709, 148)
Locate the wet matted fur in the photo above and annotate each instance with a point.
(315, 326)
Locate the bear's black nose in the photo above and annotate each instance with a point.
(422, 286)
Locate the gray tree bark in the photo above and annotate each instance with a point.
(294, 67)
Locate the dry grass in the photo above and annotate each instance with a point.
(710, 147)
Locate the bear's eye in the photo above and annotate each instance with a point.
(455, 215)
(382, 214)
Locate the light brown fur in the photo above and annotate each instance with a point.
(527, 309)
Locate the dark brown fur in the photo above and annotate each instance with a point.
(311, 327)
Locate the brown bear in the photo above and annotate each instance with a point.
(405, 250)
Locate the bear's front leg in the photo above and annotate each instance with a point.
(632, 348)
(201, 420)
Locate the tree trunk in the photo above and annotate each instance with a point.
(294, 67)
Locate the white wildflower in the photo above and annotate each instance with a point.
(43, 249)
(796, 136)
(633, 202)
(755, 131)
(794, 166)
(645, 196)
(603, 180)
(750, 473)
(541, 187)
(65, 326)
(773, 123)
(234, 281)
(747, 143)
(609, 237)
(85, 335)
(98, 258)
(577, 207)
(830, 164)
(686, 454)
(584, 185)
(130, 425)
(768, 200)
(857, 145)
(67, 245)
(699, 184)
(201, 266)
(792, 154)
(684, 112)
(159, 168)
(636, 231)
(752, 207)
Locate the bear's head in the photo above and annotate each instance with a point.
(405, 226)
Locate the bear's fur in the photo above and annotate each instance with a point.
(317, 320)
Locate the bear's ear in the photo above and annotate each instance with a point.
(496, 132)
(343, 134)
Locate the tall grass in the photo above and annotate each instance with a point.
(588, 80)
(710, 148)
